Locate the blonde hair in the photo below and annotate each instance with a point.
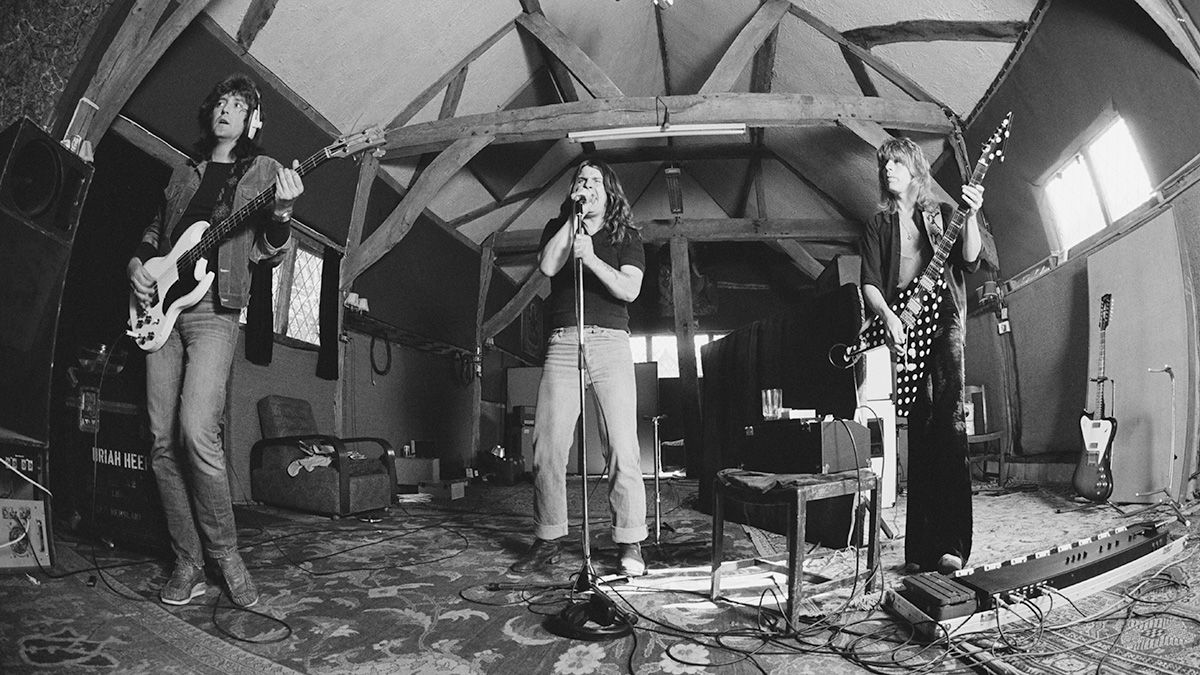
(908, 153)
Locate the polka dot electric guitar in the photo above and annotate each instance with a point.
(923, 303)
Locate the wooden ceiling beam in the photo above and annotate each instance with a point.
(453, 95)
(549, 167)
(590, 75)
(563, 82)
(748, 183)
(1174, 18)
(530, 202)
(367, 171)
(933, 30)
(489, 208)
(254, 20)
(762, 73)
(804, 261)
(754, 109)
(400, 221)
(434, 218)
(893, 74)
(131, 38)
(129, 59)
(663, 54)
(533, 285)
(417, 104)
(859, 71)
(745, 46)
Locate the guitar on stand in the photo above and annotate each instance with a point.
(1093, 475)
(182, 276)
(919, 304)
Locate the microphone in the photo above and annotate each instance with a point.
(579, 199)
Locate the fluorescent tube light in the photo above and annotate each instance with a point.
(664, 131)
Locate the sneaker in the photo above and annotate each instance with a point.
(242, 590)
(186, 584)
(632, 564)
(541, 554)
(949, 563)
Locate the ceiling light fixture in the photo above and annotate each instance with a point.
(663, 130)
(674, 190)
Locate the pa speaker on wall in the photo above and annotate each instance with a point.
(42, 188)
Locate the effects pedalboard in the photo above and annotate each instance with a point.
(984, 588)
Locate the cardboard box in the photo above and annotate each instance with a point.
(455, 488)
(417, 470)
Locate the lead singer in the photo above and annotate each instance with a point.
(610, 249)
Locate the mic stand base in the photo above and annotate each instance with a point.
(592, 619)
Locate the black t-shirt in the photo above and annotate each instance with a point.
(204, 201)
(600, 307)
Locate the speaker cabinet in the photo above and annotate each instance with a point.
(42, 188)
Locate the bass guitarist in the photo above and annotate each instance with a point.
(186, 378)
(897, 245)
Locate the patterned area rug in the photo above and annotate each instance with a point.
(425, 589)
(71, 624)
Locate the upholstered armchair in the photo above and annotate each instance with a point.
(295, 466)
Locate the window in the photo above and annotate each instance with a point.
(304, 303)
(1098, 185)
(662, 350)
(296, 287)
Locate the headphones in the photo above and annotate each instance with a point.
(254, 122)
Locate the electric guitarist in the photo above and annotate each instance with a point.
(1092, 479)
(897, 245)
(186, 375)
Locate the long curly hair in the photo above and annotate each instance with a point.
(908, 153)
(618, 217)
(243, 86)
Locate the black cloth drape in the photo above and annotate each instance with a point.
(260, 319)
(327, 354)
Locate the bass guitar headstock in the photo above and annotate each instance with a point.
(352, 144)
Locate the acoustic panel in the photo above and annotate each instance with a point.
(1148, 328)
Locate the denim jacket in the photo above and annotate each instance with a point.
(245, 246)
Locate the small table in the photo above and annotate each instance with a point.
(793, 491)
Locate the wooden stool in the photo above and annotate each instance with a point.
(794, 491)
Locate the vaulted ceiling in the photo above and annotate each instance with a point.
(477, 98)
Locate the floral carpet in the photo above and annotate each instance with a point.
(424, 588)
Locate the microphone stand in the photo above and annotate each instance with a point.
(608, 621)
(1170, 500)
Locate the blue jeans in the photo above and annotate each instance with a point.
(185, 396)
(609, 370)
